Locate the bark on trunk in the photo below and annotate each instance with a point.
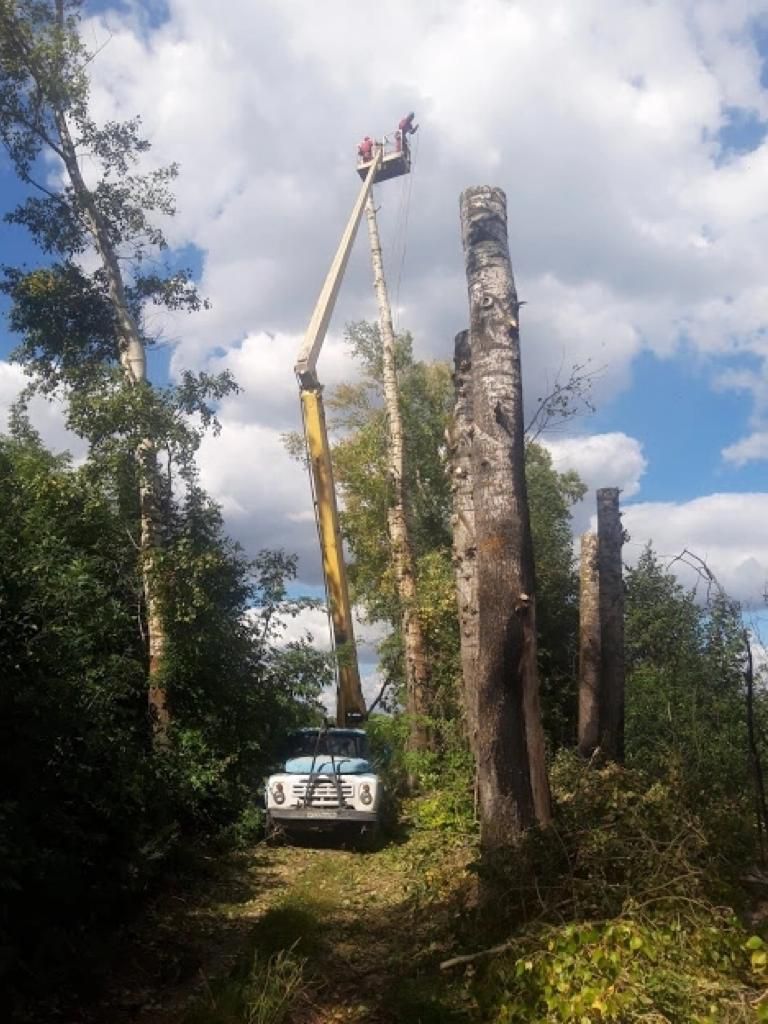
(610, 538)
(513, 787)
(761, 804)
(417, 668)
(464, 547)
(133, 360)
(589, 648)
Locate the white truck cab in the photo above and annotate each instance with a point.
(327, 782)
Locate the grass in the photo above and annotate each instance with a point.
(265, 993)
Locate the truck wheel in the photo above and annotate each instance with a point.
(273, 834)
(368, 838)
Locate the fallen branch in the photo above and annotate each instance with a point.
(469, 957)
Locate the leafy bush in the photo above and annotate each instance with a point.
(686, 968)
(90, 814)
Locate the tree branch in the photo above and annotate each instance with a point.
(564, 401)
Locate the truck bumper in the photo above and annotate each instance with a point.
(321, 817)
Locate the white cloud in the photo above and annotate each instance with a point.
(754, 446)
(601, 460)
(367, 636)
(604, 136)
(748, 449)
(630, 228)
(47, 417)
(263, 367)
(726, 530)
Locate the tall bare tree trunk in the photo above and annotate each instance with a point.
(134, 363)
(464, 547)
(417, 667)
(761, 804)
(610, 538)
(513, 786)
(589, 648)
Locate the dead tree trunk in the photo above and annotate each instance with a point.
(464, 549)
(512, 780)
(610, 538)
(761, 805)
(417, 667)
(589, 648)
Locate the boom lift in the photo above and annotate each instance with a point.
(350, 707)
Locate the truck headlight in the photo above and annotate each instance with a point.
(278, 793)
(366, 797)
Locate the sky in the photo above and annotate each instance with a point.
(631, 139)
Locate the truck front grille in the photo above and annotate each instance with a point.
(322, 793)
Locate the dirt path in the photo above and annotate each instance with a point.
(365, 929)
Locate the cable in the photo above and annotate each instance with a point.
(405, 234)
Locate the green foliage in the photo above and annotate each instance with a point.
(359, 453)
(360, 462)
(551, 495)
(69, 321)
(685, 695)
(89, 814)
(690, 968)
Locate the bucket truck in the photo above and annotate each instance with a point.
(328, 780)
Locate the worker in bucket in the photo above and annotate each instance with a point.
(365, 150)
(404, 129)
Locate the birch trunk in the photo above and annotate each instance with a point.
(464, 548)
(417, 668)
(513, 786)
(589, 648)
(133, 360)
(610, 538)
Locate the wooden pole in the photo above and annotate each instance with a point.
(610, 538)
(589, 647)
(512, 781)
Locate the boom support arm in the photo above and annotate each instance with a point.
(313, 340)
(350, 693)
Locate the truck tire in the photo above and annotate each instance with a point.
(273, 834)
(367, 839)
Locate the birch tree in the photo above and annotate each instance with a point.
(83, 334)
(464, 541)
(417, 666)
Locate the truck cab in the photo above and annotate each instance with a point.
(327, 782)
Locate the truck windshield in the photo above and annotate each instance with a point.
(340, 744)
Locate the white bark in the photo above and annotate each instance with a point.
(464, 543)
(417, 669)
(133, 360)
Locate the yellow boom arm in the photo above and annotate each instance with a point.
(350, 695)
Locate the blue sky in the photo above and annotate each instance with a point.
(632, 141)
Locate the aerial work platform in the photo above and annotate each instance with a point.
(393, 163)
(377, 161)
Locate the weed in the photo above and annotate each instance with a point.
(265, 993)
